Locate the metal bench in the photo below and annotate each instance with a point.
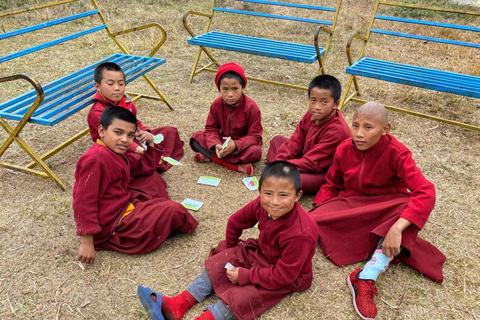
(272, 48)
(462, 84)
(58, 100)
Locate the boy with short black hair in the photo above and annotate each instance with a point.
(233, 131)
(110, 84)
(108, 215)
(375, 202)
(312, 146)
(260, 272)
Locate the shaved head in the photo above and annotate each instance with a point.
(373, 109)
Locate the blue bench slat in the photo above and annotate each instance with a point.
(274, 16)
(416, 79)
(71, 111)
(53, 112)
(57, 87)
(266, 44)
(46, 24)
(257, 46)
(49, 110)
(51, 43)
(428, 23)
(455, 79)
(414, 36)
(288, 4)
(30, 96)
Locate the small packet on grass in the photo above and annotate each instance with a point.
(191, 204)
(172, 161)
(251, 183)
(209, 181)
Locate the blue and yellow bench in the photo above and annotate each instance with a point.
(58, 100)
(424, 28)
(273, 48)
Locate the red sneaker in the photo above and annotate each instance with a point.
(362, 294)
(199, 157)
(207, 315)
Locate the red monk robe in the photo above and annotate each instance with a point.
(172, 144)
(270, 267)
(242, 123)
(101, 200)
(365, 194)
(311, 148)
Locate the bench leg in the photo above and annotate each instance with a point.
(347, 98)
(197, 59)
(158, 92)
(13, 135)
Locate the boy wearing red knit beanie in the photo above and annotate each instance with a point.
(233, 132)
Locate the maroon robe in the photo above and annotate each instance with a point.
(103, 190)
(270, 267)
(172, 144)
(365, 194)
(242, 123)
(311, 148)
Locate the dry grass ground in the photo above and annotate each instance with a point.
(39, 276)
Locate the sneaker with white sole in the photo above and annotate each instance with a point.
(363, 292)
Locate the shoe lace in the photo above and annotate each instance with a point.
(371, 287)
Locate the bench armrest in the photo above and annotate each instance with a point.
(349, 44)
(146, 26)
(40, 96)
(315, 43)
(196, 13)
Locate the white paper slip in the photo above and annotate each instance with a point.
(251, 183)
(225, 144)
(192, 204)
(229, 266)
(209, 181)
(172, 161)
(158, 138)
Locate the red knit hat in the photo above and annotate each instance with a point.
(229, 67)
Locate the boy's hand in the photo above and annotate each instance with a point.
(232, 275)
(86, 253)
(145, 137)
(231, 147)
(393, 240)
(139, 150)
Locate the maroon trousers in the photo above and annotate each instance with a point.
(311, 182)
(154, 218)
(350, 229)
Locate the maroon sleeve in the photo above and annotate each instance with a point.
(255, 130)
(244, 218)
(287, 269)
(212, 128)
(91, 179)
(334, 180)
(422, 198)
(93, 120)
(146, 164)
(321, 155)
(294, 146)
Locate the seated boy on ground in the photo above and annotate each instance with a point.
(107, 214)
(110, 84)
(233, 131)
(321, 130)
(375, 202)
(263, 271)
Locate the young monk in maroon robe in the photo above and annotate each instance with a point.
(233, 131)
(110, 85)
(321, 130)
(252, 276)
(108, 215)
(374, 203)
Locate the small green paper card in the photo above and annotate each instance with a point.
(209, 181)
(158, 138)
(172, 161)
(251, 183)
(191, 204)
